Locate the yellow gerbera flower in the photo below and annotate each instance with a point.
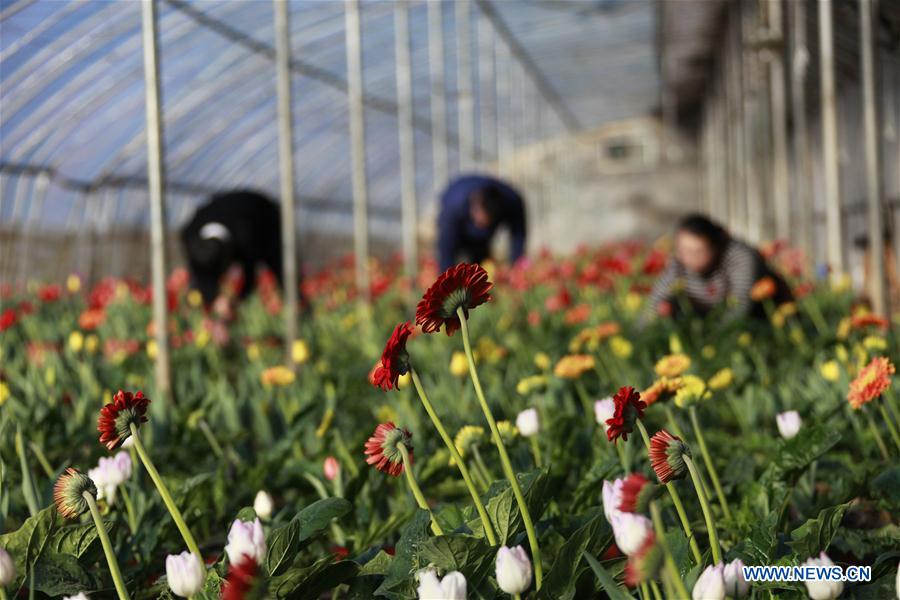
(672, 365)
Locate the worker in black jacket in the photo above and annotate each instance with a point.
(239, 227)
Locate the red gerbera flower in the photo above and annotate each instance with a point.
(629, 408)
(637, 492)
(869, 320)
(644, 564)
(240, 580)
(8, 318)
(116, 418)
(667, 456)
(872, 381)
(382, 448)
(464, 286)
(394, 359)
(68, 493)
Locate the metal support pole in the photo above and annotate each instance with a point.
(802, 163)
(286, 172)
(503, 106)
(465, 102)
(487, 98)
(830, 164)
(780, 194)
(439, 157)
(156, 190)
(32, 221)
(735, 115)
(753, 209)
(357, 147)
(408, 202)
(872, 130)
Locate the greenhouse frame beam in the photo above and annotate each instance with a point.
(872, 128)
(534, 72)
(300, 67)
(464, 98)
(407, 141)
(439, 155)
(156, 188)
(355, 105)
(830, 166)
(282, 26)
(802, 163)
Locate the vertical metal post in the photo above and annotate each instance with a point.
(407, 137)
(503, 106)
(156, 190)
(830, 164)
(487, 99)
(286, 171)
(872, 130)
(753, 208)
(780, 194)
(802, 163)
(31, 223)
(439, 157)
(465, 101)
(735, 94)
(357, 147)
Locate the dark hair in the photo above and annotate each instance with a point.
(491, 200)
(701, 226)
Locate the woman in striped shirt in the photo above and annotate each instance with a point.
(711, 267)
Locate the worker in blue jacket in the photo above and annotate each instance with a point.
(473, 207)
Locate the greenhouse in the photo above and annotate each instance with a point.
(447, 299)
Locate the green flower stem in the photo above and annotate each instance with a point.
(28, 489)
(692, 411)
(211, 439)
(129, 509)
(454, 453)
(889, 423)
(657, 595)
(676, 501)
(676, 428)
(166, 496)
(504, 457)
(107, 547)
(479, 462)
(2, 593)
(536, 450)
(877, 434)
(42, 459)
(674, 578)
(585, 403)
(416, 490)
(707, 514)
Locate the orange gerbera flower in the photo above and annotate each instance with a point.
(762, 289)
(871, 382)
(672, 365)
(573, 366)
(868, 320)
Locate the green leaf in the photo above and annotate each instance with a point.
(378, 565)
(886, 487)
(310, 582)
(56, 574)
(502, 509)
(815, 535)
(282, 547)
(74, 539)
(398, 583)
(609, 585)
(27, 543)
(317, 516)
(560, 580)
(467, 554)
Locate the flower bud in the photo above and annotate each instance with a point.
(788, 424)
(513, 570)
(184, 574)
(528, 422)
(822, 589)
(667, 454)
(735, 584)
(603, 410)
(246, 539)
(7, 568)
(451, 587)
(68, 493)
(710, 585)
(263, 505)
(637, 492)
(631, 531)
(612, 498)
(459, 366)
(331, 468)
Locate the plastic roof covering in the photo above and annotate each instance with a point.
(72, 98)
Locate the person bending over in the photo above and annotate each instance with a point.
(709, 268)
(473, 208)
(240, 228)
